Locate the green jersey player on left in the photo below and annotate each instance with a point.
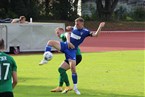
(8, 73)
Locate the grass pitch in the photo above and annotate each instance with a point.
(101, 74)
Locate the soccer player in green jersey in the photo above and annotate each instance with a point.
(65, 65)
(8, 73)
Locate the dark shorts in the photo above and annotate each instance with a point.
(6, 94)
(78, 59)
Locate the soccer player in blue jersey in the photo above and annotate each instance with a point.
(65, 64)
(69, 48)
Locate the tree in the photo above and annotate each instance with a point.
(28, 8)
(4, 8)
(75, 6)
(74, 10)
(64, 9)
(50, 9)
(60, 9)
(105, 8)
(46, 3)
(18, 7)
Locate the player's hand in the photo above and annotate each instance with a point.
(69, 28)
(70, 45)
(102, 24)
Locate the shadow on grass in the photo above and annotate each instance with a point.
(44, 91)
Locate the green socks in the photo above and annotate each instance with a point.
(63, 77)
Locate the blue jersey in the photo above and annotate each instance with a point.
(78, 36)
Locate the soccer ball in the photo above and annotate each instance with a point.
(48, 56)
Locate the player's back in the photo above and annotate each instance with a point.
(7, 65)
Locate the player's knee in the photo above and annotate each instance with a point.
(61, 70)
(50, 42)
(73, 69)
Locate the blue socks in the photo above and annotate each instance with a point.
(48, 48)
(74, 78)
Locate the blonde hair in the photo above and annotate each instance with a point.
(79, 19)
(59, 28)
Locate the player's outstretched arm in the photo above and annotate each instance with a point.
(102, 24)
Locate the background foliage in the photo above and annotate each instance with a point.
(67, 10)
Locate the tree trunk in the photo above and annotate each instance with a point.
(99, 8)
(105, 11)
(47, 7)
(75, 5)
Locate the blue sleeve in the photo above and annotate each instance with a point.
(89, 33)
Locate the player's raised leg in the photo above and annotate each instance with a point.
(50, 44)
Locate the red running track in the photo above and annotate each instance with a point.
(113, 41)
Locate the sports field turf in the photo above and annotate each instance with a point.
(101, 74)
